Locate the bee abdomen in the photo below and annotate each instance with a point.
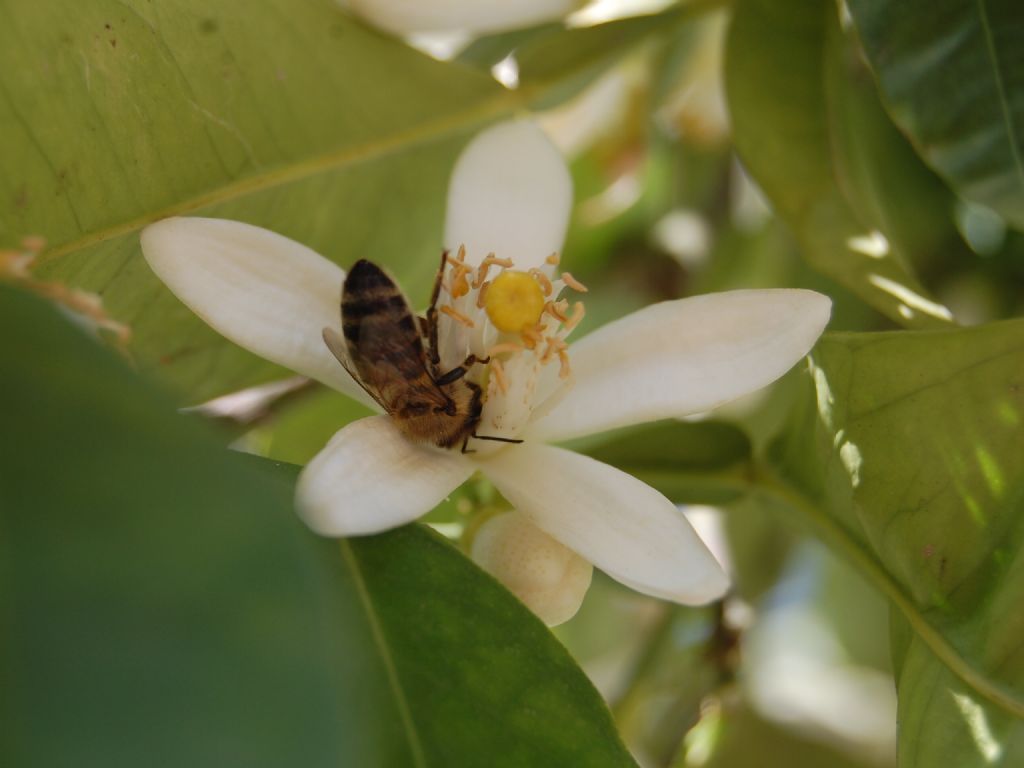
(371, 301)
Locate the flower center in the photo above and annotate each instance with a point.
(514, 301)
(517, 322)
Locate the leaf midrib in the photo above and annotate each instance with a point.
(380, 641)
(502, 103)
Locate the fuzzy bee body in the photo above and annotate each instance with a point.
(381, 338)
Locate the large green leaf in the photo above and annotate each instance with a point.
(163, 605)
(954, 81)
(910, 460)
(792, 96)
(287, 114)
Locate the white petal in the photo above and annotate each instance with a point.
(406, 16)
(510, 193)
(682, 357)
(548, 577)
(370, 478)
(259, 289)
(624, 527)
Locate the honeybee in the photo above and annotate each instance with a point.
(384, 340)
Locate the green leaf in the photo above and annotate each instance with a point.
(163, 605)
(910, 460)
(943, 720)
(486, 51)
(703, 462)
(286, 114)
(301, 429)
(954, 82)
(557, 66)
(790, 96)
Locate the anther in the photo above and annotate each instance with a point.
(552, 259)
(573, 283)
(531, 336)
(557, 310)
(541, 278)
(481, 296)
(461, 254)
(486, 264)
(577, 315)
(457, 316)
(460, 285)
(555, 346)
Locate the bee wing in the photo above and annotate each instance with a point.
(336, 344)
(384, 341)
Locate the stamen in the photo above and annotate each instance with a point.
(532, 336)
(486, 264)
(557, 310)
(563, 369)
(481, 296)
(505, 346)
(553, 259)
(541, 278)
(499, 376)
(578, 312)
(457, 316)
(555, 346)
(573, 283)
(461, 255)
(460, 285)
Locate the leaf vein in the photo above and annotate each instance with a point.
(380, 640)
(1004, 105)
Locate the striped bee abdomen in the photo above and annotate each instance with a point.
(383, 338)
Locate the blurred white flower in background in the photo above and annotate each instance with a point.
(508, 205)
(799, 675)
(406, 17)
(696, 110)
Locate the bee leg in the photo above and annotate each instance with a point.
(465, 442)
(431, 318)
(496, 439)
(457, 373)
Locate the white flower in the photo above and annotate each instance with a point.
(510, 194)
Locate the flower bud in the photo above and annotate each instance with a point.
(548, 577)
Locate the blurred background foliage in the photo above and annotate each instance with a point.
(870, 512)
